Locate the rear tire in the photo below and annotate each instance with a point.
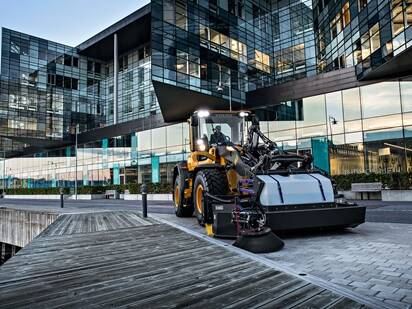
(178, 199)
(213, 181)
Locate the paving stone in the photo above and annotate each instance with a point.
(359, 284)
(383, 268)
(404, 292)
(379, 281)
(384, 288)
(399, 280)
(390, 296)
(367, 292)
(407, 299)
(355, 278)
(339, 275)
(341, 281)
(391, 273)
(397, 304)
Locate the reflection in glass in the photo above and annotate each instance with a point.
(380, 99)
(385, 156)
(353, 126)
(382, 122)
(334, 112)
(347, 159)
(314, 112)
(406, 96)
(351, 104)
(159, 138)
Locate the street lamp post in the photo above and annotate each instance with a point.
(75, 148)
(77, 132)
(4, 171)
(332, 121)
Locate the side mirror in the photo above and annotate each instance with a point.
(255, 120)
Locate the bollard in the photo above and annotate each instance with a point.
(61, 198)
(144, 199)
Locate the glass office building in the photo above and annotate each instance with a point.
(335, 73)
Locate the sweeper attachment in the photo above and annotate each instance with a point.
(248, 189)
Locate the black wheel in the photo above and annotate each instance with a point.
(212, 181)
(181, 210)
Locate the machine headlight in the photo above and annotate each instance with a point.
(243, 114)
(201, 144)
(203, 113)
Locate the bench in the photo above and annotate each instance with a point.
(367, 187)
(111, 194)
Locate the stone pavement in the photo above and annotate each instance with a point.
(393, 212)
(373, 260)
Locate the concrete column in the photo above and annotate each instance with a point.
(115, 78)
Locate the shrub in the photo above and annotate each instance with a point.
(133, 188)
(34, 191)
(393, 181)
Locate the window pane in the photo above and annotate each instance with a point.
(334, 112)
(159, 138)
(375, 38)
(382, 122)
(406, 93)
(351, 104)
(380, 99)
(314, 112)
(174, 135)
(143, 140)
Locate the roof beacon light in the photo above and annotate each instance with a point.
(203, 113)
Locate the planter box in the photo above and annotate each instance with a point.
(150, 197)
(32, 196)
(397, 195)
(358, 196)
(87, 197)
(54, 197)
(127, 197)
(130, 197)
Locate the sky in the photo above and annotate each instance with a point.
(69, 22)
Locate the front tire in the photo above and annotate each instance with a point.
(178, 199)
(213, 181)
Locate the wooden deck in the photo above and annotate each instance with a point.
(119, 259)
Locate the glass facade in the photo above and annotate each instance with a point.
(366, 137)
(43, 85)
(47, 88)
(236, 45)
(221, 48)
(368, 128)
(362, 33)
(120, 160)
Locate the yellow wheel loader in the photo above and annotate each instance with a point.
(237, 181)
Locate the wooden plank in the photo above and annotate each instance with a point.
(292, 299)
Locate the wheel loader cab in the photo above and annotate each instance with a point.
(211, 129)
